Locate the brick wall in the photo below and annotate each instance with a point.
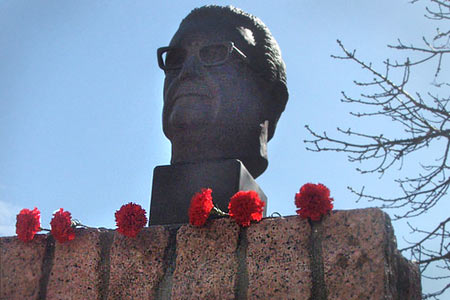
(349, 255)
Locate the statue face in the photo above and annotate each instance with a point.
(212, 95)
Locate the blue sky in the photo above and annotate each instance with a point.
(81, 100)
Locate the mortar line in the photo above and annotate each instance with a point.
(318, 286)
(47, 265)
(104, 265)
(164, 287)
(1, 267)
(241, 283)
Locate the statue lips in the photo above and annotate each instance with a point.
(183, 96)
(191, 108)
(192, 101)
(189, 104)
(186, 93)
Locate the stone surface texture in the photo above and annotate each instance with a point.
(271, 259)
(359, 261)
(75, 271)
(206, 263)
(137, 265)
(278, 260)
(20, 265)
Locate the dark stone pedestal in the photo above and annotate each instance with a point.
(174, 186)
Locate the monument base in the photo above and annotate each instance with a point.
(174, 186)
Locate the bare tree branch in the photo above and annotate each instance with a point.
(424, 120)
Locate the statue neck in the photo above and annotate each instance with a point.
(210, 144)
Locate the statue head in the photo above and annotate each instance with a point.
(224, 90)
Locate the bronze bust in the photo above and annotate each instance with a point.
(224, 90)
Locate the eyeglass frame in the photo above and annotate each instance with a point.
(230, 45)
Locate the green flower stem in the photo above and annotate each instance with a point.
(218, 212)
(76, 223)
(276, 215)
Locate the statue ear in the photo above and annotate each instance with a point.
(277, 102)
(280, 96)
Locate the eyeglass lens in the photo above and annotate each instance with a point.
(174, 58)
(214, 54)
(209, 55)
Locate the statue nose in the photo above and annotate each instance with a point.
(191, 67)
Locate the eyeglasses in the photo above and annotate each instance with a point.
(173, 58)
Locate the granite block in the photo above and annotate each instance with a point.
(357, 254)
(137, 264)
(206, 262)
(407, 278)
(21, 267)
(76, 267)
(278, 260)
(272, 259)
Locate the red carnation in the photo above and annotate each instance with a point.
(246, 206)
(201, 206)
(313, 201)
(130, 219)
(28, 224)
(61, 226)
